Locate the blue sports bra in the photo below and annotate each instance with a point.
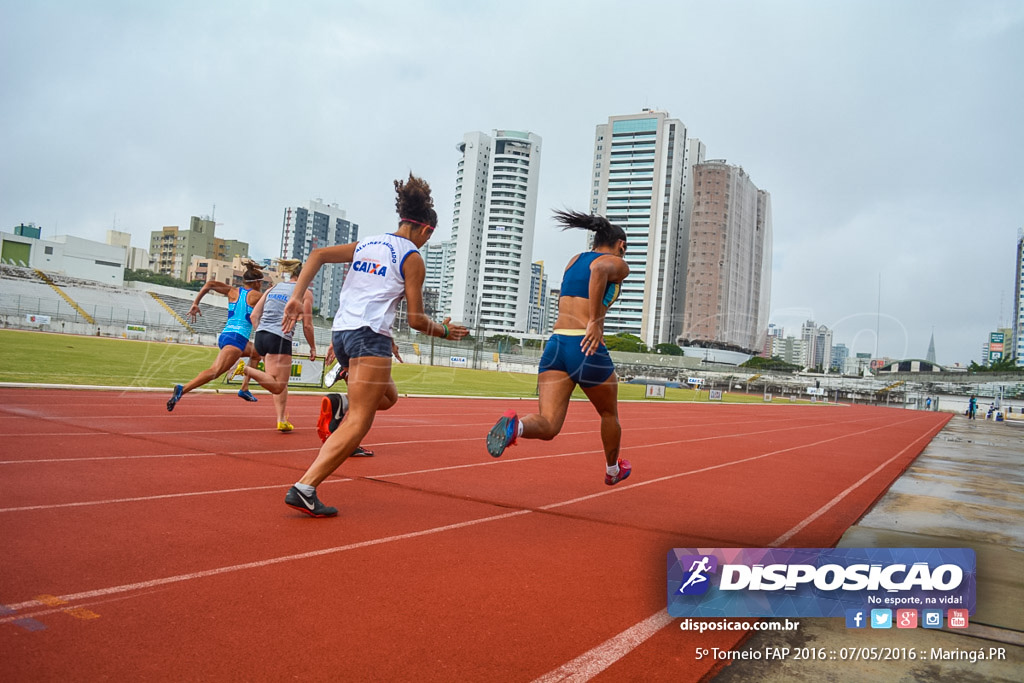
(576, 280)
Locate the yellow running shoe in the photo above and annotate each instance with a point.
(285, 426)
(239, 369)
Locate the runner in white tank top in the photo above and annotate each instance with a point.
(375, 284)
(385, 269)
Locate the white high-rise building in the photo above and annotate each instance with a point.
(538, 299)
(487, 281)
(818, 340)
(310, 227)
(435, 258)
(641, 182)
(1018, 310)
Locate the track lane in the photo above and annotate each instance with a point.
(533, 583)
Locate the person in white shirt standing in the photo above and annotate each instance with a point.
(385, 268)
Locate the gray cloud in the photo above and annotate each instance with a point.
(887, 133)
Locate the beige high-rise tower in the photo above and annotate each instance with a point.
(728, 286)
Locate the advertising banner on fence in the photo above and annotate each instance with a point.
(817, 582)
(654, 391)
(304, 372)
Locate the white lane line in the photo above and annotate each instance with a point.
(596, 660)
(635, 634)
(380, 426)
(280, 451)
(140, 499)
(143, 585)
(485, 463)
(674, 427)
(583, 668)
(850, 489)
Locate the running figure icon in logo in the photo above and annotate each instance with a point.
(696, 581)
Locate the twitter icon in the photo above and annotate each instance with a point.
(881, 618)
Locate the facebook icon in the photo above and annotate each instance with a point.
(856, 618)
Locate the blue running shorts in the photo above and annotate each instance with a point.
(563, 353)
(349, 344)
(232, 339)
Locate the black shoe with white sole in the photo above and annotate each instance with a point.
(311, 505)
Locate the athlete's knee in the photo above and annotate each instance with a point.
(545, 429)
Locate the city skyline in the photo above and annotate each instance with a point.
(886, 133)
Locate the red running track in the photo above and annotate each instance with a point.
(145, 545)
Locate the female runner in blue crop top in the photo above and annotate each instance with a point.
(575, 353)
(234, 338)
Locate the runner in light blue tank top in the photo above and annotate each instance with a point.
(234, 338)
(239, 326)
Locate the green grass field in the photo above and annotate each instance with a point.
(47, 358)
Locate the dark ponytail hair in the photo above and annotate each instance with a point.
(253, 272)
(605, 233)
(414, 203)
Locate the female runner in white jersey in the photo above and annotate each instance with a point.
(385, 268)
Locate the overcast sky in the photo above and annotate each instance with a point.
(890, 134)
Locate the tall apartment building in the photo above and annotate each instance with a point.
(1018, 300)
(171, 249)
(838, 357)
(790, 349)
(552, 308)
(436, 260)
(774, 332)
(538, 317)
(818, 339)
(311, 226)
(641, 182)
(728, 285)
(488, 269)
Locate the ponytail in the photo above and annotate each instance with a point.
(605, 233)
(253, 272)
(291, 266)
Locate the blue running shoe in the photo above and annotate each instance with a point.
(503, 434)
(178, 389)
(244, 393)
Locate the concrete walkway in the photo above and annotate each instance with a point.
(966, 490)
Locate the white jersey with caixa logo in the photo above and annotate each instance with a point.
(374, 285)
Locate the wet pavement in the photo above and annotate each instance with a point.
(966, 490)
